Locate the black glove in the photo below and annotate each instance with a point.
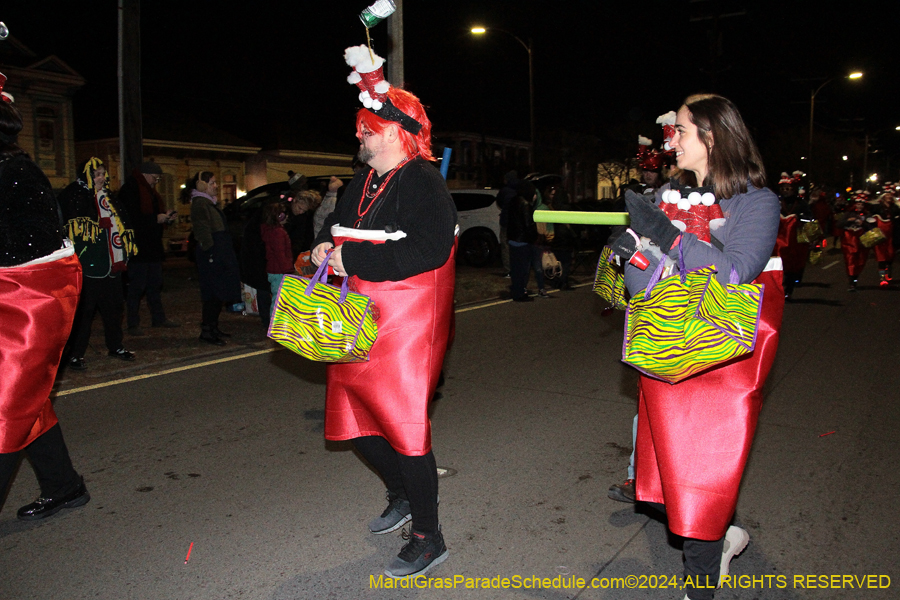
(650, 221)
(626, 246)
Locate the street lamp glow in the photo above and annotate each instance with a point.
(855, 75)
(478, 30)
(844, 157)
(874, 177)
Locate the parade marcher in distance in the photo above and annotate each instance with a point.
(40, 280)
(393, 235)
(654, 165)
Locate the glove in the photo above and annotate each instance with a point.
(625, 245)
(650, 221)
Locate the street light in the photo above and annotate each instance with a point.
(812, 110)
(479, 30)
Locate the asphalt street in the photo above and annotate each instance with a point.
(228, 460)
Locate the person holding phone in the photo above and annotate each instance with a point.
(150, 217)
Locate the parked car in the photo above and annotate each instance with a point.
(479, 225)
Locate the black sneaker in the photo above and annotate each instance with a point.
(77, 364)
(622, 492)
(122, 354)
(418, 556)
(395, 516)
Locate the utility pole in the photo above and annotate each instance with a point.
(131, 152)
(395, 56)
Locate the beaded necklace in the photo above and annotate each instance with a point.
(373, 196)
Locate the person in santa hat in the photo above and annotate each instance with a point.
(794, 212)
(394, 235)
(852, 224)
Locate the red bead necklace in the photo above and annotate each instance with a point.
(372, 197)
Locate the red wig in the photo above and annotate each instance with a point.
(413, 145)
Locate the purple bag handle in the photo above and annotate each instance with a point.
(321, 276)
(654, 279)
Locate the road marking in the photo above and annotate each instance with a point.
(105, 384)
(829, 265)
(207, 363)
(508, 300)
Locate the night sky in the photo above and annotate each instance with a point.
(273, 73)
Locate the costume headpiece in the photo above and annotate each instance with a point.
(87, 171)
(368, 75)
(5, 96)
(649, 159)
(668, 122)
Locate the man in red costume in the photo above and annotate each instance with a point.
(393, 235)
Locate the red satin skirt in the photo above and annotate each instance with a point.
(388, 395)
(37, 306)
(855, 254)
(793, 254)
(885, 250)
(694, 437)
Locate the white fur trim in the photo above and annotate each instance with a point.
(666, 119)
(67, 250)
(373, 235)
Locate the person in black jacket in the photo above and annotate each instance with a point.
(149, 218)
(521, 233)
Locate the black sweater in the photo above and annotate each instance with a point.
(416, 201)
(29, 219)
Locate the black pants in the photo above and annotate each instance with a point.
(52, 465)
(702, 559)
(211, 311)
(412, 478)
(519, 265)
(103, 295)
(145, 277)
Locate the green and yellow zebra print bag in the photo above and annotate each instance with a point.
(323, 322)
(609, 283)
(689, 322)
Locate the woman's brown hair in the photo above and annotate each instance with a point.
(733, 157)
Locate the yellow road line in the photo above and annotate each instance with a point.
(166, 372)
(98, 386)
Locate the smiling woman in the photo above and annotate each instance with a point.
(694, 437)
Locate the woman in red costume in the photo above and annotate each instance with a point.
(886, 213)
(853, 223)
(694, 436)
(40, 279)
(393, 235)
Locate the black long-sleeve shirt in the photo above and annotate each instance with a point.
(415, 201)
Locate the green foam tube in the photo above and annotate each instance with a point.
(581, 217)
